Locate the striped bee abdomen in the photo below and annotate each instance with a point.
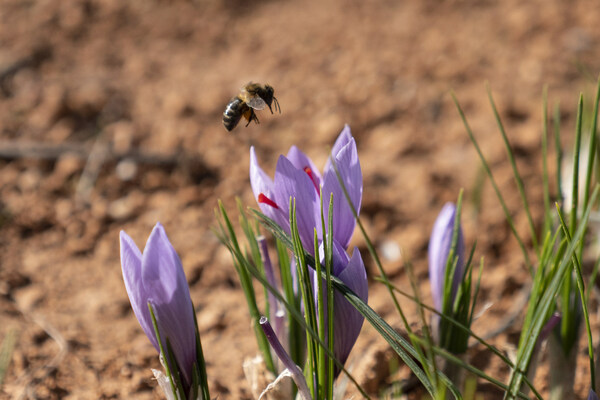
(233, 113)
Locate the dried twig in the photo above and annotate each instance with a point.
(15, 150)
(93, 166)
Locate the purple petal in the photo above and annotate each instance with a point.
(291, 182)
(548, 327)
(340, 257)
(348, 166)
(276, 310)
(342, 140)
(346, 316)
(302, 162)
(439, 247)
(165, 282)
(131, 265)
(259, 180)
(340, 261)
(263, 185)
(347, 321)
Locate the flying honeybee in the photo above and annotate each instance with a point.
(253, 96)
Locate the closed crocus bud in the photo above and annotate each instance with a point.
(439, 247)
(156, 277)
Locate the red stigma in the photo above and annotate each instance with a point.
(312, 177)
(265, 200)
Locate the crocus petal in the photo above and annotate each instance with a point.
(548, 327)
(342, 140)
(276, 309)
(350, 172)
(131, 265)
(165, 282)
(262, 185)
(291, 182)
(347, 321)
(303, 163)
(439, 248)
(259, 180)
(346, 318)
(340, 261)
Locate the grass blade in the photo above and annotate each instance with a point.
(517, 176)
(546, 302)
(586, 316)
(592, 149)
(227, 234)
(8, 345)
(494, 185)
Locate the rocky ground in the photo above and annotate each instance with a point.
(110, 119)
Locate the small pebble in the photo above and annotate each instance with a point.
(126, 170)
(390, 250)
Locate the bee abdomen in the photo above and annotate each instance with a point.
(233, 113)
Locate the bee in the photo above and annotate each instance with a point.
(253, 96)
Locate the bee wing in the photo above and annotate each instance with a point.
(256, 102)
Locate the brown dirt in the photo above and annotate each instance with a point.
(151, 78)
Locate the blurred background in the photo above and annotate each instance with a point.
(111, 118)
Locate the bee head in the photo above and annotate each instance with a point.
(268, 97)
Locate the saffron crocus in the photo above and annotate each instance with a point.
(347, 321)
(297, 177)
(156, 277)
(439, 249)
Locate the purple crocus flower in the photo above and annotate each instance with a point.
(347, 321)
(157, 277)
(439, 248)
(297, 177)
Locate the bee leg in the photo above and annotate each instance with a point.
(252, 117)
